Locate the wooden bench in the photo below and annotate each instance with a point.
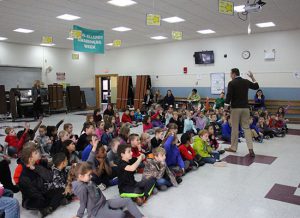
(293, 112)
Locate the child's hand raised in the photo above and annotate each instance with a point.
(94, 141)
(27, 126)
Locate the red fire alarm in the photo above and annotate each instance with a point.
(185, 70)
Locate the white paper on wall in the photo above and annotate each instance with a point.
(217, 83)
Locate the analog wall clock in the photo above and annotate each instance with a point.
(246, 54)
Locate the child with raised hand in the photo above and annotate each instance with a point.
(188, 153)
(128, 187)
(92, 198)
(15, 145)
(203, 149)
(158, 169)
(103, 175)
(173, 158)
(157, 139)
(189, 124)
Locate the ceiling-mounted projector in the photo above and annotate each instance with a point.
(254, 7)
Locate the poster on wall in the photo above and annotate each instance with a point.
(217, 83)
(60, 76)
(91, 40)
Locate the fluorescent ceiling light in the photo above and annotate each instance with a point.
(69, 38)
(43, 44)
(267, 24)
(109, 44)
(208, 31)
(121, 29)
(21, 30)
(158, 37)
(239, 8)
(68, 17)
(173, 19)
(3, 38)
(121, 3)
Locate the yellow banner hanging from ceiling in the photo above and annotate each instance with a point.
(117, 43)
(153, 20)
(47, 39)
(176, 35)
(75, 34)
(75, 56)
(226, 7)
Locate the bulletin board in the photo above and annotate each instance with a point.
(217, 83)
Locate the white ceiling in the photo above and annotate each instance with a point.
(40, 15)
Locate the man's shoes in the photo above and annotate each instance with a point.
(230, 150)
(251, 153)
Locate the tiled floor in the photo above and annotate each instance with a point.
(264, 187)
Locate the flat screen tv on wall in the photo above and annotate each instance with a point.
(204, 57)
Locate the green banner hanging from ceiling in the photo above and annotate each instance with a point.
(90, 40)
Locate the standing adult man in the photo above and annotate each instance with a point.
(237, 98)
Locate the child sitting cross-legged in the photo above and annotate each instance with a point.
(202, 148)
(34, 184)
(213, 142)
(157, 139)
(173, 157)
(92, 198)
(60, 173)
(188, 153)
(158, 169)
(145, 143)
(128, 187)
(103, 175)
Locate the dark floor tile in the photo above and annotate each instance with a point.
(283, 193)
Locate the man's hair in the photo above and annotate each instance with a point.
(43, 127)
(194, 90)
(158, 150)
(236, 71)
(59, 158)
(133, 136)
(122, 148)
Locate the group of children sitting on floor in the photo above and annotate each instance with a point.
(54, 166)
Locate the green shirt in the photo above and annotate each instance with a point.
(195, 97)
(220, 102)
(201, 147)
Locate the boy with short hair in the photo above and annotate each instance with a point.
(82, 142)
(157, 139)
(128, 187)
(60, 173)
(15, 144)
(135, 143)
(158, 169)
(112, 155)
(107, 135)
(43, 141)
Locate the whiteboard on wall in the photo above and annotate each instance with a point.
(217, 83)
(22, 76)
